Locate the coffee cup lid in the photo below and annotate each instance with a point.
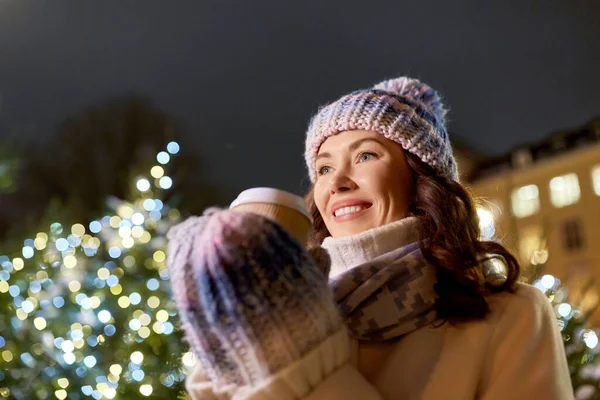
(270, 195)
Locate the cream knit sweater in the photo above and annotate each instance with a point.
(515, 353)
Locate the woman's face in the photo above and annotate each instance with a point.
(363, 182)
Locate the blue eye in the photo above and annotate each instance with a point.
(366, 156)
(324, 170)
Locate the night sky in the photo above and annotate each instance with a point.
(242, 78)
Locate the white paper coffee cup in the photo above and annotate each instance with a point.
(287, 209)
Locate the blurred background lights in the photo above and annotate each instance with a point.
(128, 242)
(28, 252)
(104, 316)
(152, 284)
(146, 390)
(548, 281)
(173, 147)
(138, 375)
(70, 261)
(62, 244)
(89, 361)
(69, 358)
(58, 302)
(27, 306)
(67, 346)
(137, 357)
(56, 228)
(39, 323)
(110, 330)
(157, 171)
(137, 218)
(163, 157)
(168, 328)
(165, 182)
(18, 263)
(135, 324)
(115, 369)
(143, 185)
(486, 223)
(135, 298)
(590, 339)
(188, 359)
(564, 310)
(114, 252)
(124, 231)
(76, 275)
(95, 226)
(78, 229)
(148, 204)
(159, 256)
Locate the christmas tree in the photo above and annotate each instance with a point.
(572, 312)
(85, 308)
(580, 339)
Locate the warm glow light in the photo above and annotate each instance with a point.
(123, 302)
(114, 221)
(103, 273)
(67, 346)
(18, 264)
(116, 369)
(39, 323)
(74, 286)
(189, 359)
(146, 390)
(157, 171)
(78, 230)
(70, 261)
(137, 357)
(61, 394)
(590, 338)
(128, 242)
(159, 256)
(143, 185)
(162, 316)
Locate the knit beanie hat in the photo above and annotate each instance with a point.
(251, 300)
(404, 110)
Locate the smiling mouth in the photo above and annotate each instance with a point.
(350, 212)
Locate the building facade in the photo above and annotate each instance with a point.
(543, 203)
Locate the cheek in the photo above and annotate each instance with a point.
(391, 185)
(320, 196)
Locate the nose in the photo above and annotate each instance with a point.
(341, 182)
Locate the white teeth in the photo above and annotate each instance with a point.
(348, 210)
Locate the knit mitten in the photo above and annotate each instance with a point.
(251, 300)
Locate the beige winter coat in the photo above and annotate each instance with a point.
(515, 353)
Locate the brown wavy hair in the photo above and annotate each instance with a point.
(448, 218)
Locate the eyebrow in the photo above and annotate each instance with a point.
(353, 146)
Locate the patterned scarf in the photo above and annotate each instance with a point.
(391, 294)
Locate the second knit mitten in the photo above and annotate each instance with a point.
(251, 300)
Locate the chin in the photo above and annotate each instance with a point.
(354, 229)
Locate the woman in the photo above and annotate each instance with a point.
(424, 316)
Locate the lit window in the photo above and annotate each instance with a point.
(596, 179)
(525, 201)
(573, 238)
(564, 190)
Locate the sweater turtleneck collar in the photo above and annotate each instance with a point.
(348, 252)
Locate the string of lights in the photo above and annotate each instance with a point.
(85, 310)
